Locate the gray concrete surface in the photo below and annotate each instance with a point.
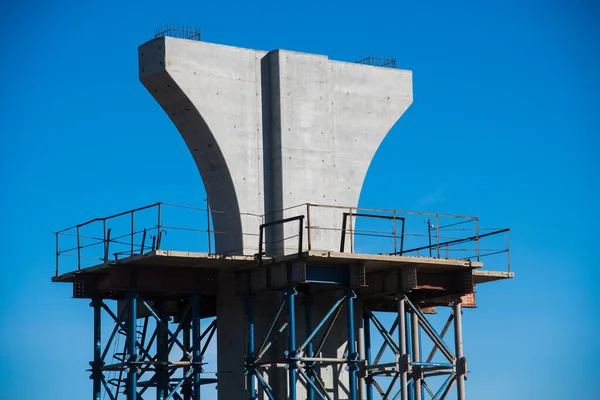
(269, 131)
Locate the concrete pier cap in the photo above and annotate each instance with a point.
(273, 130)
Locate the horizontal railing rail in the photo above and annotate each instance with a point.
(357, 229)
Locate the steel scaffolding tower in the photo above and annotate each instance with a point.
(362, 316)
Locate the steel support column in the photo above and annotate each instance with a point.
(309, 347)
(251, 350)
(162, 351)
(460, 360)
(196, 346)
(409, 348)
(367, 378)
(291, 353)
(402, 343)
(187, 388)
(416, 355)
(132, 346)
(362, 389)
(97, 364)
(352, 356)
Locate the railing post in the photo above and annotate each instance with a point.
(158, 233)
(78, 250)
(300, 234)
(208, 225)
(395, 246)
(132, 232)
(107, 246)
(402, 236)
(104, 238)
(351, 232)
(437, 233)
(477, 238)
(57, 253)
(308, 225)
(508, 248)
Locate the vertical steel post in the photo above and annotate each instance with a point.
(395, 247)
(132, 233)
(477, 238)
(250, 359)
(460, 360)
(158, 235)
(350, 296)
(416, 355)
(507, 250)
(97, 363)
(208, 225)
(309, 346)
(409, 348)
(437, 233)
(105, 247)
(369, 382)
(187, 389)
(429, 235)
(57, 253)
(162, 352)
(131, 346)
(308, 225)
(78, 249)
(196, 345)
(361, 356)
(402, 344)
(292, 373)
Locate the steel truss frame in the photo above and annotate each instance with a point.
(408, 369)
(146, 361)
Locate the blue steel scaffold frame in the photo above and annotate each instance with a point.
(138, 360)
(408, 371)
(409, 368)
(301, 360)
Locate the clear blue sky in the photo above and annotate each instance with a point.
(505, 125)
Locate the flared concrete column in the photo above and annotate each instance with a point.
(269, 131)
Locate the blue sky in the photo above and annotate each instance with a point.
(504, 125)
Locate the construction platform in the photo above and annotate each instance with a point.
(428, 281)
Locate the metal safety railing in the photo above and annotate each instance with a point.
(320, 227)
(137, 231)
